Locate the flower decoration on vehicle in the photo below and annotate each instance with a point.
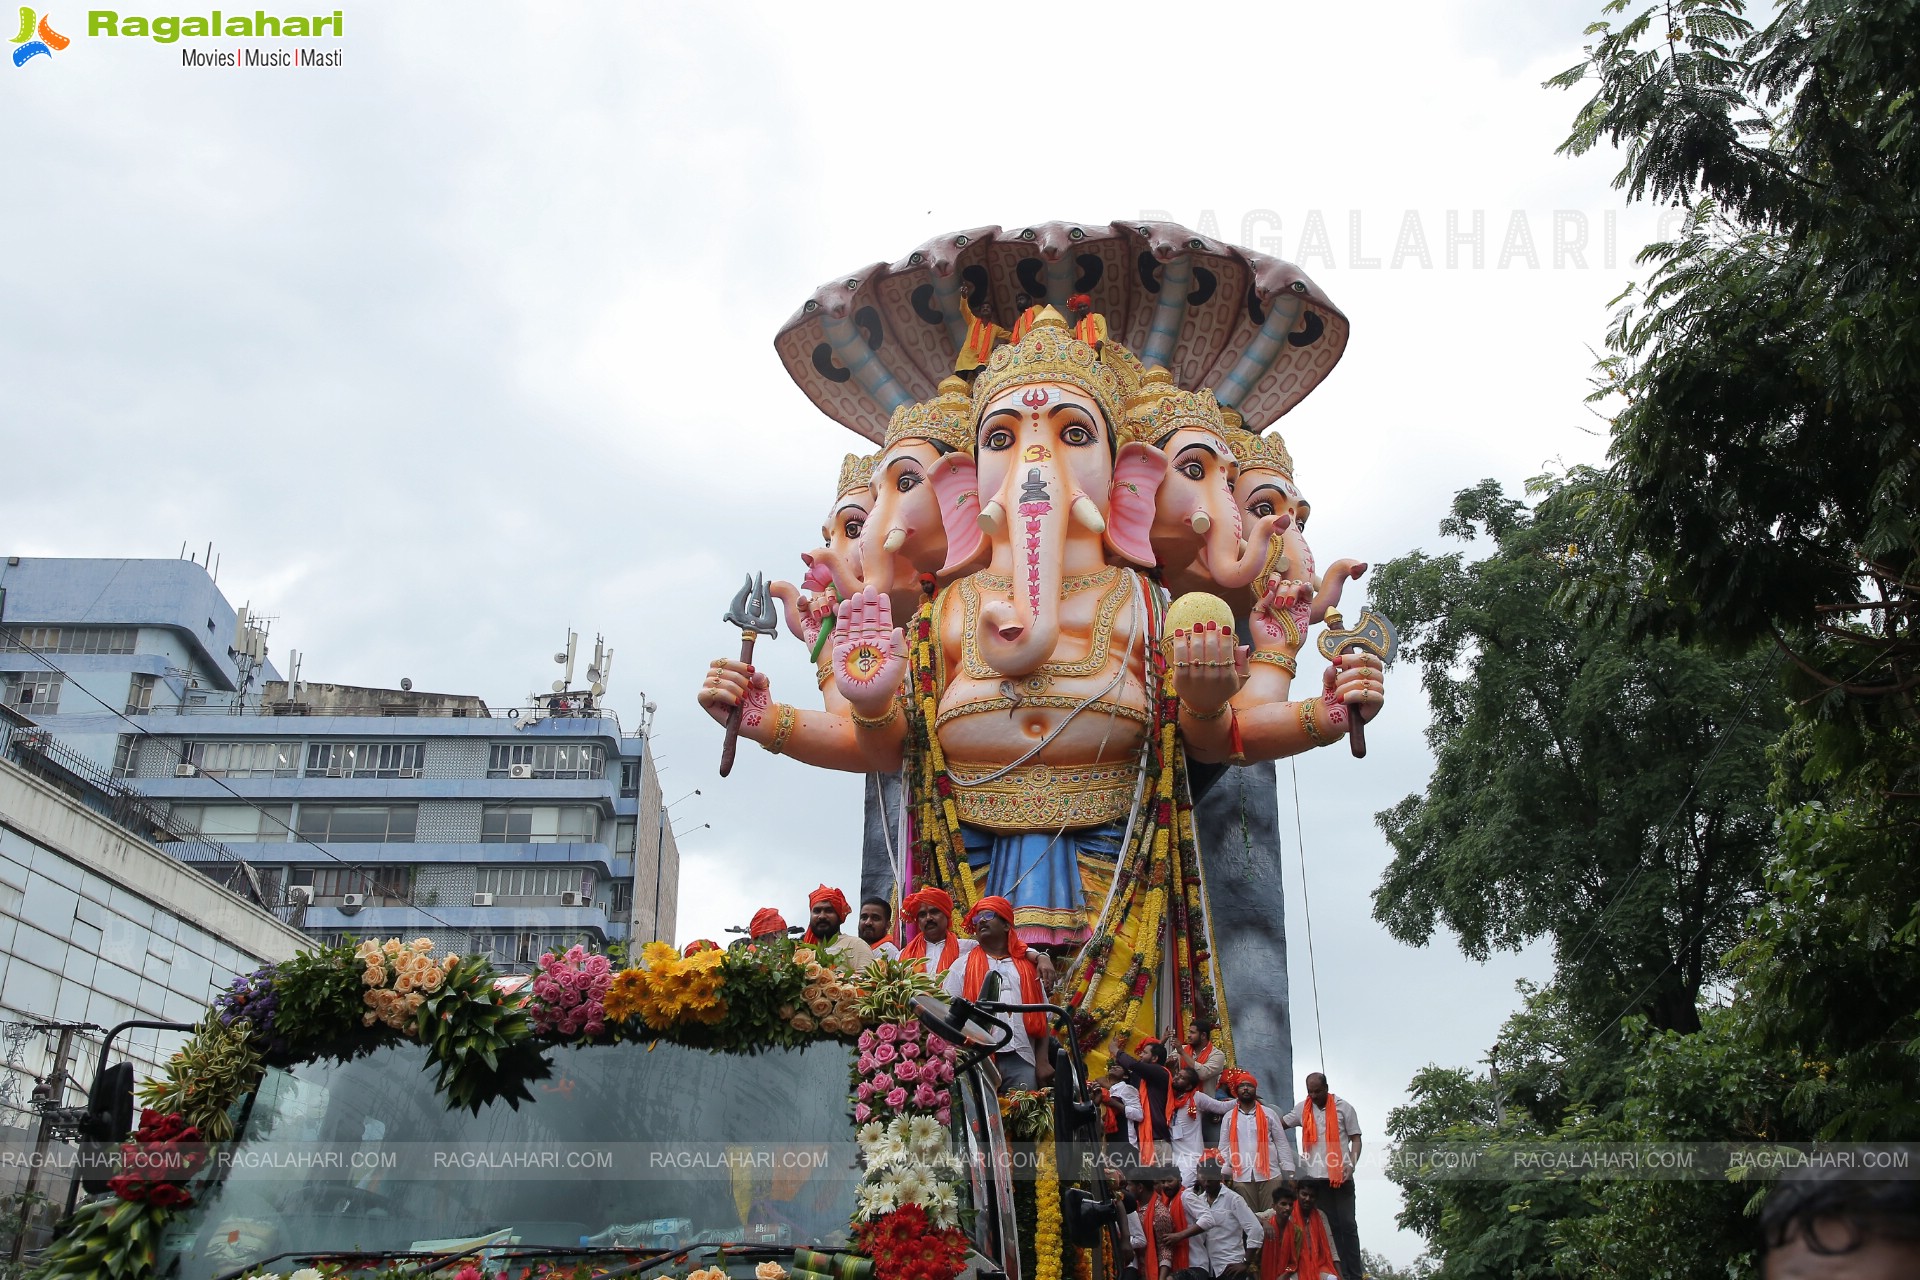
(155, 1166)
(569, 993)
(668, 989)
(399, 978)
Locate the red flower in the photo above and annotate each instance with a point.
(169, 1195)
(943, 786)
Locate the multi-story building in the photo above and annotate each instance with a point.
(372, 812)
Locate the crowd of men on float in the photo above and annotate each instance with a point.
(1214, 1189)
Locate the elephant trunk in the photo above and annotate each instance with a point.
(1230, 560)
(1016, 637)
(789, 597)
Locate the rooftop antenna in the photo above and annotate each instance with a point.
(565, 659)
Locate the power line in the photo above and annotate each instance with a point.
(1313, 968)
(14, 641)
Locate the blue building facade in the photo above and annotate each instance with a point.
(363, 811)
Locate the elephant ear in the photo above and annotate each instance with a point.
(956, 483)
(1137, 473)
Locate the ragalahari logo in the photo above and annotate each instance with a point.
(48, 41)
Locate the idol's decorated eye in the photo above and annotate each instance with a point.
(1077, 434)
(854, 527)
(908, 481)
(1261, 509)
(998, 438)
(1192, 470)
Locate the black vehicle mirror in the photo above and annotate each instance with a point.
(1082, 1216)
(1072, 1118)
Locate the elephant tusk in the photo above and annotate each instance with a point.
(993, 518)
(896, 538)
(1202, 522)
(1089, 515)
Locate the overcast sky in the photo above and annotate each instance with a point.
(470, 340)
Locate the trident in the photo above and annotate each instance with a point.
(1372, 634)
(752, 612)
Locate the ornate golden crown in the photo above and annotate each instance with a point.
(1158, 408)
(1267, 452)
(946, 419)
(1050, 353)
(856, 472)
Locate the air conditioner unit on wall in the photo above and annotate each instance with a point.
(520, 771)
(482, 899)
(352, 901)
(186, 771)
(572, 899)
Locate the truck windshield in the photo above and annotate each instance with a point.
(622, 1146)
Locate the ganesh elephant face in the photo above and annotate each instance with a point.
(904, 536)
(836, 560)
(1198, 535)
(1053, 498)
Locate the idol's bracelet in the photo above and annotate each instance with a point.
(1215, 714)
(1284, 661)
(783, 718)
(1309, 722)
(877, 722)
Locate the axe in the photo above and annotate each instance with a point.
(1372, 634)
(752, 611)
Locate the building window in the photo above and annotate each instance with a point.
(234, 823)
(523, 950)
(380, 886)
(363, 759)
(623, 838)
(244, 759)
(140, 695)
(34, 693)
(620, 899)
(69, 640)
(359, 824)
(125, 752)
(563, 760)
(533, 883)
(629, 778)
(539, 824)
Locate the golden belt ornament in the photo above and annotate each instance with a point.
(1039, 797)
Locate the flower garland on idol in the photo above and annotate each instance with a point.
(486, 1039)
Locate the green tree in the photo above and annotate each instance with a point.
(1598, 788)
(1766, 463)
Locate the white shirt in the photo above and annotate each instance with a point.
(1187, 1140)
(1313, 1159)
(887, 951)
(1199, 1214)
(1234, 1229)
(1247, 1126)
(934, 950)
(955, 986)
(1129, 1099)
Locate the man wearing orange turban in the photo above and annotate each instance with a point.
(998, 969)
(931, 911)
(767, 924)
(827, 910)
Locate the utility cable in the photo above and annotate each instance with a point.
(1306, 903)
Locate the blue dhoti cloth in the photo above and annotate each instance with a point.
(1039, 872)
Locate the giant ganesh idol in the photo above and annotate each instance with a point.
(1074, 632)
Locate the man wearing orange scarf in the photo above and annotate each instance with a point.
(1254, 1142)
(827, 910)
(998, 969)
(1329, 1149)
(1301, 1247)
(1181, 1220)
(931, 911)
